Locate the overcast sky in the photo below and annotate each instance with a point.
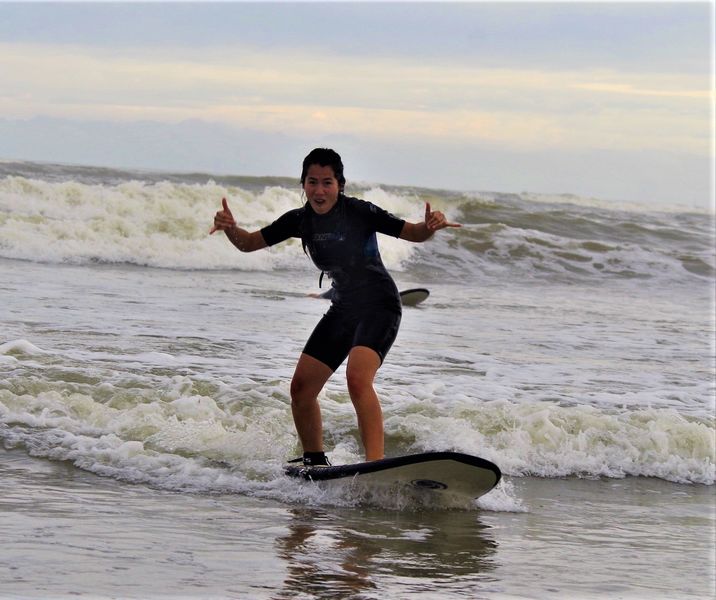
(611, 100)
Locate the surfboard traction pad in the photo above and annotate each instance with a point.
(446, 472)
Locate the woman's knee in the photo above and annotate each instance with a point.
(299, 387)
(308, 380)
(359, 382)
(353, 382)
(363, 364)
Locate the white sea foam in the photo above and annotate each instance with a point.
(161, 225)
(20, 347)
(165, 224)
(524, 439)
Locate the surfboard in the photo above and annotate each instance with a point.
(442, 472)
(411, 297)
(414, 296)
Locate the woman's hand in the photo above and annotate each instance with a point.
(436, 220)
(242, 239)
(424, 230)
(223, 220)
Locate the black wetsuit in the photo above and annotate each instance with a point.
(365, 305)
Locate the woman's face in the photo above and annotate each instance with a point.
(321, 188)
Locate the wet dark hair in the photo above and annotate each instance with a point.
(325, 157)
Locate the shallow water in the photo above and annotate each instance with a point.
(68, 533)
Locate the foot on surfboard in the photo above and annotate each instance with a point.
(312, 459)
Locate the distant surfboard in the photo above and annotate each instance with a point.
(411, 297)
(443, 472)
(414, 296)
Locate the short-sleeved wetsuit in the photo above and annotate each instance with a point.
(365, 306)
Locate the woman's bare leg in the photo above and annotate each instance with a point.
(363, 363)
(308, 380)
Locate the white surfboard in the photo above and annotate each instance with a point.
(411, 297)
(414, 296)
(443, 472)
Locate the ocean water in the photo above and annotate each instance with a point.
(144, 397)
